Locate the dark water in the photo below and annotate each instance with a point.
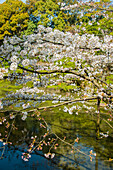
(64, 125)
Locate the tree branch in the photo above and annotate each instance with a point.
(62, 71)
(64, 103)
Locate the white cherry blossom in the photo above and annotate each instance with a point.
(13, 66)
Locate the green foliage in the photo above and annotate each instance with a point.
(30, 29)
(20, 18)
(109, 79)
(29, 84)
(14, 17)
(66, 62)
(49, 13)
(6, 86)
(63, 87)
(98, 21)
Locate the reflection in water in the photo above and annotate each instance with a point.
(64, 125)
(25, 132)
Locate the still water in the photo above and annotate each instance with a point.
(64, 158)
(18, 135)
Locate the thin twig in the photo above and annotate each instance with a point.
(107, 123)
(7, 139)
(66, 142)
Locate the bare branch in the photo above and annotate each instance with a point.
(64, 103)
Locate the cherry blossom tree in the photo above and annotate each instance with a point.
(58, 69)
(54, 59)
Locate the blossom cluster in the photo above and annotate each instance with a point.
(57, 49)
(3, 71)
(47, 43)
(65, 7)
(24, 115)
(86, 54)
(70, 110)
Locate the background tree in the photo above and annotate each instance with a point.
(89, 17)
(14, 17)
(95, 17)
(49, 13)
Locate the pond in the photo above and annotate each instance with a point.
(69, 138)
